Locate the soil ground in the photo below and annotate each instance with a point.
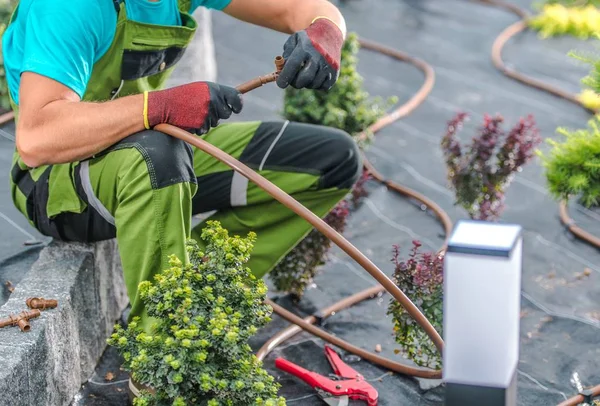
(561, 313)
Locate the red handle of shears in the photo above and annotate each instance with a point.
(340, 367)
(354, 388)
(367, 393)
(311, 378)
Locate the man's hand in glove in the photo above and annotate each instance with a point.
(196, 107)
(312, 56)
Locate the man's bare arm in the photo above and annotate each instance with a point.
(286, 16)
(55, 127)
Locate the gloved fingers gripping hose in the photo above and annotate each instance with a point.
(196, 106)
(313, 56)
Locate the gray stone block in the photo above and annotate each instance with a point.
(13, 376)
(48, 364)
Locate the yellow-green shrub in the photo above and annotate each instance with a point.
(206, 310)
(556, 19)
(573, 165)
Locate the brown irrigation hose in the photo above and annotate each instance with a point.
(336, 238)
(263, 80)
(6, 117)
(418, 98)
(294, 329)
(575, 400)
(398, 113)
(576, 230)
(376, 359)
(313, 219)
(499, 43)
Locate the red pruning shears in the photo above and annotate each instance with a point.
(335, 392)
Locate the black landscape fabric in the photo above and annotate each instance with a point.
(561, 312)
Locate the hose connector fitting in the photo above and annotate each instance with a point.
(41, 303)
(21, 320)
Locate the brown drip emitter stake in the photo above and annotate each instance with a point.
(41, 303)
(21, 319)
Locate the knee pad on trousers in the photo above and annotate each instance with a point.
(309, 148)
(344, 164)
(169, 160)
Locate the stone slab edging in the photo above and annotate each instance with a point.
(47, 365)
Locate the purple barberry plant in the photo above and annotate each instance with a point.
(480, 173)
(359, 191)
(296, 271)
(421, 278)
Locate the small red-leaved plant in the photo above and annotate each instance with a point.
(480, 173)
(421, 279)
(296, 271)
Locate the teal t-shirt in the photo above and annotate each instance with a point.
(64, 39)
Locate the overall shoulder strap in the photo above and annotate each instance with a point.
(184, 5)
(117, 4)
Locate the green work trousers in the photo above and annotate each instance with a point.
(145, 189)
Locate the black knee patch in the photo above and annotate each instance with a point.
(305, 148)
(344, 162)
(170, 160)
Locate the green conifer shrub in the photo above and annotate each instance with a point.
(346, 106)
(206, 310)
(573, 165)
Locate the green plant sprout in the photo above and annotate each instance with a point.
(205, 311)
(346, 106)
(573, 165)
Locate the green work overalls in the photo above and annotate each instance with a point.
(145, 189)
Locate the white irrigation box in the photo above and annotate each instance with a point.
(482, 285)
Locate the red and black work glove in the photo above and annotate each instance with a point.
(195, 107)
(312, 57)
